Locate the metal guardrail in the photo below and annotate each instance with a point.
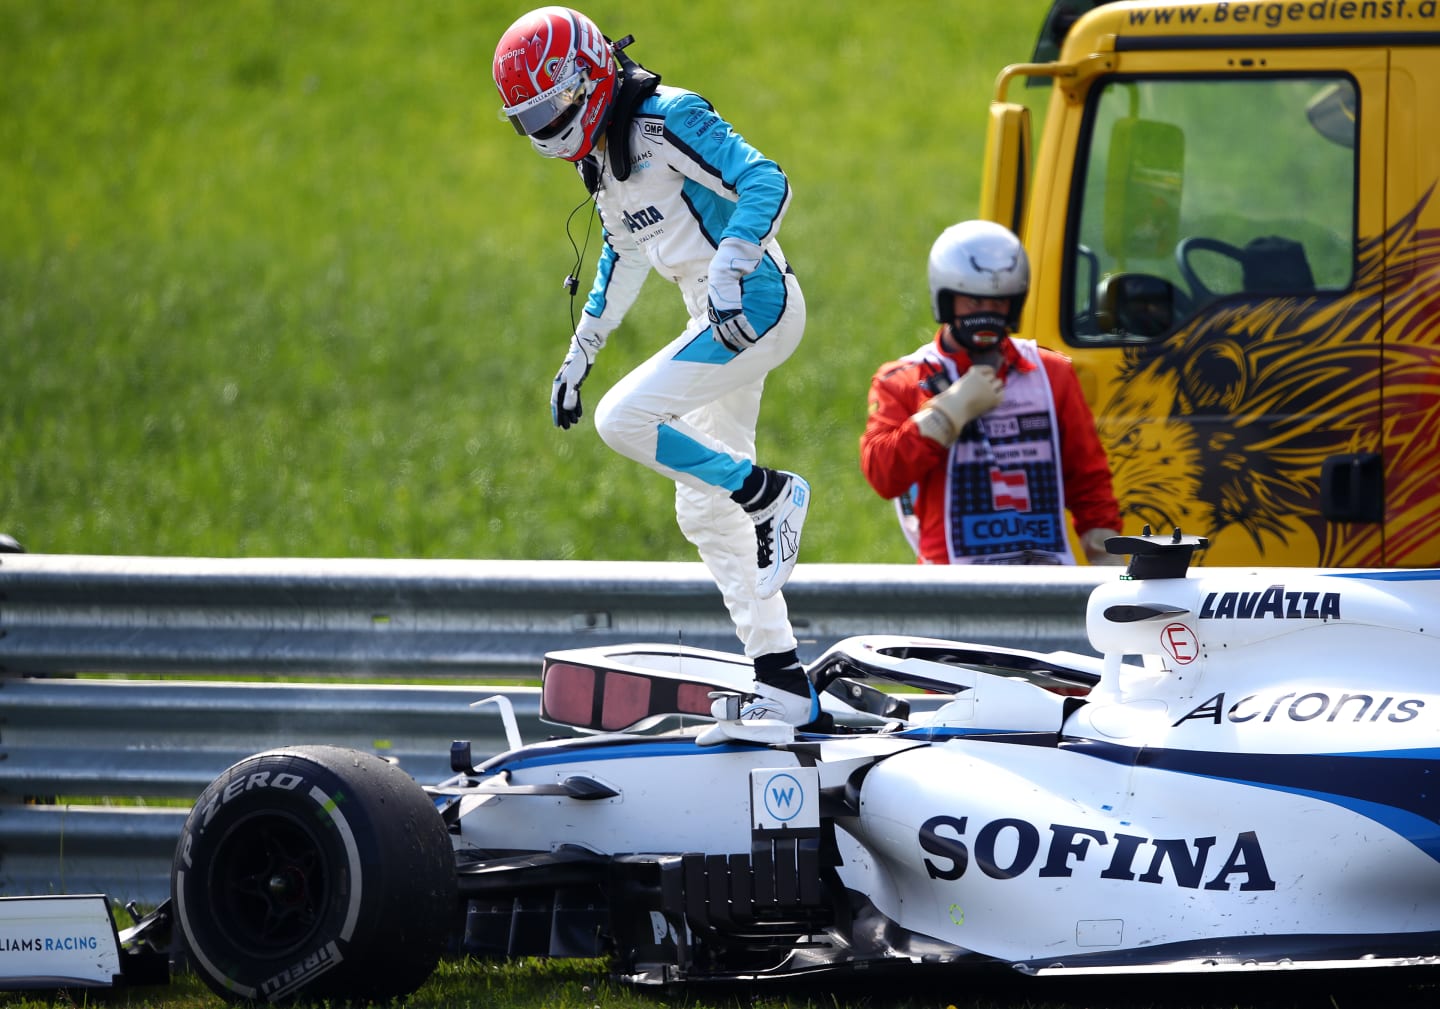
(164, 739)
(377, 618)
(148, 739)
(364, 621)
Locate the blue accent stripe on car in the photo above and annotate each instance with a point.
(1417, 575)
(1396, 789)
(607, 750)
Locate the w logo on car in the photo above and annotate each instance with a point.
(784, 799)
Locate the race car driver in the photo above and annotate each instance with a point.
(983, 440)
(681, 193)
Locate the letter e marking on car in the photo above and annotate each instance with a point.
(1179, 643)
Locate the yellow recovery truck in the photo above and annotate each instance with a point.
(1234, 231)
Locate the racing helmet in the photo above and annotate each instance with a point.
(982, 259)
(556, 76)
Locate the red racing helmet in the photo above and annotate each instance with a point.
(556, 75)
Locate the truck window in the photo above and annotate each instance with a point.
(1192, 190)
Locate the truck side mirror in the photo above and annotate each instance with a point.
(1143, 180)
(1332, 113)
(1135, 304)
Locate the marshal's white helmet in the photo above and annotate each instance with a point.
(982, 259)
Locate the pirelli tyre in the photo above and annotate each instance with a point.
(314, 871)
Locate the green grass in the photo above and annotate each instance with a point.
(584, 984)
(276, 281)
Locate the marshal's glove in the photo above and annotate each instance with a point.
(978, 392)
(734, 260)
(565, 406)
(1093, 543)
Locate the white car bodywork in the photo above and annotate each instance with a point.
(1246, 778)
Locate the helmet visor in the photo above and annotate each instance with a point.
(533, 115)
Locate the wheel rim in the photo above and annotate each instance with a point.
(268, 884)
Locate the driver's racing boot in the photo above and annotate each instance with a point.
(784, 699)
(783, 691)
(728, 727)
(778, 506)
(783, 705)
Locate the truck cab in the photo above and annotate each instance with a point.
(1234, 232)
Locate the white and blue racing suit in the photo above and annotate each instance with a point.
(690, 411)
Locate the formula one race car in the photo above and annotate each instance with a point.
(1248, 777)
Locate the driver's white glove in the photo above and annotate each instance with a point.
(1093, 543)
(978, 392)
(734, 260)
(565, 406)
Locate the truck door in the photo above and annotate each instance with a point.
(1411, 343)
(1222, 288)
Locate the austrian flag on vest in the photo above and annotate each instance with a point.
(1009, 490)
